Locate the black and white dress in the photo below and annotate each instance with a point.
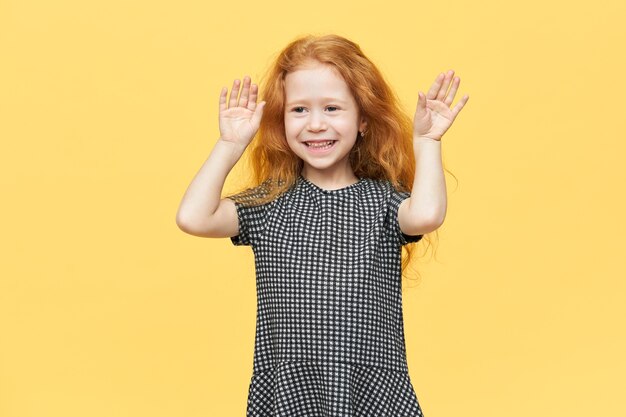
(329, 328)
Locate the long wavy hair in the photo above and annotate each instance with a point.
(384, 152)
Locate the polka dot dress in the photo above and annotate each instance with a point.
(329, 328)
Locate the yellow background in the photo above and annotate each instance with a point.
(108, 109)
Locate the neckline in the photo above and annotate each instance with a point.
(325, 191)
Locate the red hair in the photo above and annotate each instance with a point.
(384, 152)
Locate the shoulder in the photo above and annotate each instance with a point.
(384, 187)
(263, 194)
(395, 201)
(387, 194)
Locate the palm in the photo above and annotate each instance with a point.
(240, 120)
(235, 124)
(433, 116)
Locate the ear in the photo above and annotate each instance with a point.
(363, 125)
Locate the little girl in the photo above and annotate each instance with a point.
(344, 180)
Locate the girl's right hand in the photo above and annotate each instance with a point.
(240, 121)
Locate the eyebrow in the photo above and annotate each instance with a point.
(335, 99)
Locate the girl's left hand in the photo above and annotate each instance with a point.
(433, 116)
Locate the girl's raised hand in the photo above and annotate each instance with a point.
(433, 116)
(240, 120)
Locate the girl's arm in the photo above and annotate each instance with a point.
(425, 210)
(202, 211)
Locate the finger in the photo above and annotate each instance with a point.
(223, 99)
(233, 94)
(421, 102)
(459, 106)
(455, 86)
(253, 95)
(258, 114)
(432, 92)
(444, 86)
(243, 99)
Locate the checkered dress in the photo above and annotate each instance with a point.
(329, 327)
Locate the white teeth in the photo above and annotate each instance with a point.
(320, 144)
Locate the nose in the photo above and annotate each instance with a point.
(316, 121)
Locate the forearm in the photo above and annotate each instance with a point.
(428, 195)
(203, 195)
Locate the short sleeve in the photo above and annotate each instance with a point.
(251, 223)
(252, 216)
(398, 197)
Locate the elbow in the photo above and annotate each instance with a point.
(421, 228)
(187, 225)
(420, 220)
(425, 224)
(183, 224)
(199, 227)
(192, 228)
(181, 220)
(436, 218)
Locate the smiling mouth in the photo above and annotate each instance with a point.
(320, 144)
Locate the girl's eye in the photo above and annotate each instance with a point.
(299, 109)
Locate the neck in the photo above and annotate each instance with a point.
(330, 180)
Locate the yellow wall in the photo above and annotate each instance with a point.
(108, 109)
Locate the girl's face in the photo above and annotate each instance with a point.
(319, 108)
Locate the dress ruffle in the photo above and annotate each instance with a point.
(331, 389)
